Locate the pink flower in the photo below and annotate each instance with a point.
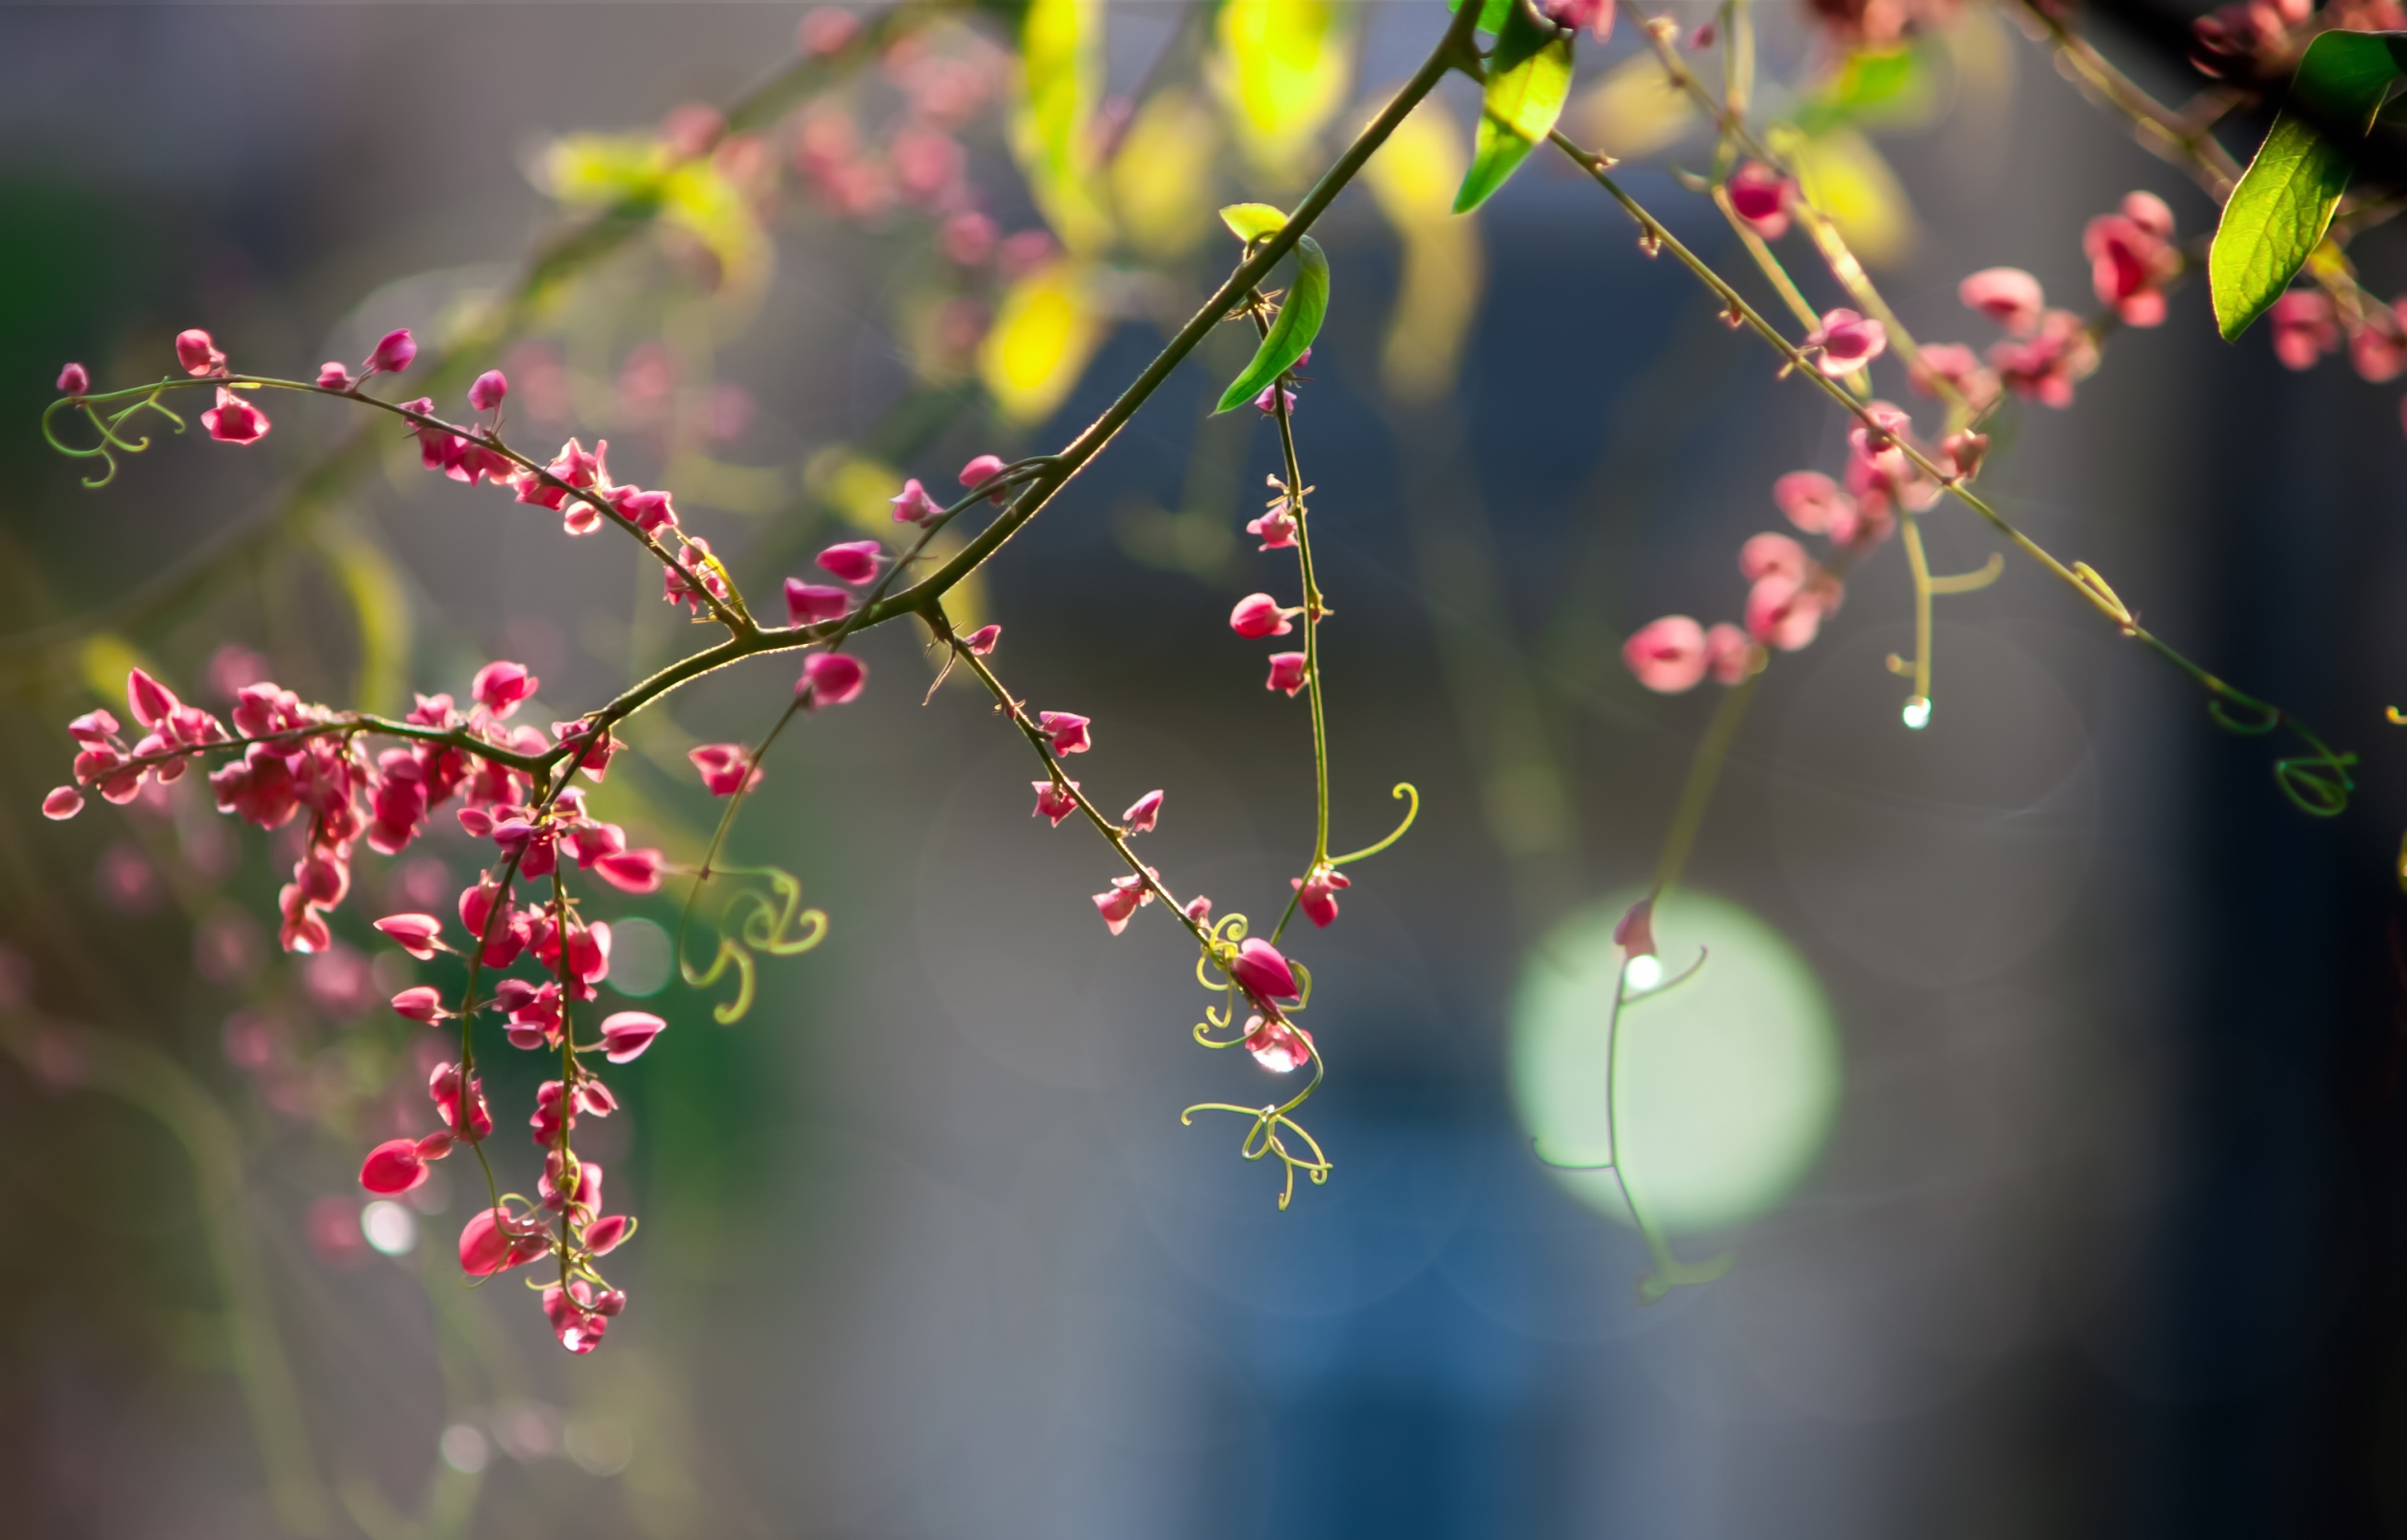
(394, 351)
(444, 1087)
(632, 871)
(487, 392)
(334, 375)
(496, 1241)
(1065, 731)
(813, 604)
(855, 561)
(1846, 341)
(2131, 255)
(1280, 1046)
(1260, 971)
(2060, 354)
(419, 1003)
(1731, 654)
(198, 355)
(1573, 14)
(982, 467)
(1962, 453)
(2007, 296)
(1268, 402)
(1276, 527)
(606, 1234)
(1765, 554)
(1054, 800)
(74, 380)
(626, 1035)
(1786, 613)
(392, 1168)
(501, 686)
(1125, 896)
(726, 768)
(1635, 931)
(234, 420)
(1317, 895)
(1760, 195)
(1287, 673)
(981, 641)
(2303, 330)
(1667, 655)
(1958, 365)
(418, 934)
(832, 678)
(63, 801)
(1199, 908)
(912, 505)
(1816, 504)
(1141, 813)
(2376, 349)
(1259, 615)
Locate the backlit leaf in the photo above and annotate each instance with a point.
(1282, 69)
(1412, 179)
(1528, 76)
(1164, 159)
(2277, 216)
(1046, 332)
(1252, 222)
(1298, 322)
(1061, 55)
(1849, 180)
(1635, 109)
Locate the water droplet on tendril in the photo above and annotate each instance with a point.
(1643, 972)
(1917, 712)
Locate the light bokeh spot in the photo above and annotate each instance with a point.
(1728, 1079)
(639, 958)
(389, 1228)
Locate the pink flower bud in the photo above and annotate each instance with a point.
(1814, 503)
(825, 30)
(1278, 1046)
(813, 604)
(1262, 971)
(981, 468)
(1731, 654)
(609, 1301)
(1760, 195)
(1065, 731)
(435, 1145)
(1848, 342)
(2007, 296)
(66, 801)
(604, 1234)
(1286, 672)
(74, 380)
(501, 686)
(420, 1003)
(1964, 451)
(1635, 931)
(488, 389)
(151, 701)
(648, 511)
(197, 355)
(855, 561)
(1767, 553)
(1784, 612)
(724, 767)
(392, 1168)
(495, 1240)
(833, 679)
(1055, 802)
(1268, 403)
(1117, 904)
(418, 934)
(1667, 655)
(1141, 813)
(626, 1035)
(1277, 529)
(632, 871)
(1199, 908)
(394, 351)
(579, 1330)
(913, 504)
(1259, 615)
(2302, 328)
(1317, 895)
(334, 375)
(981, 641)
(234, 420)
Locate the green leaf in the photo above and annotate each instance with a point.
(1528, 76)
(1252, 222)
(2279, 212)
(1873, 86)
(1492, 14)
(1299, 322)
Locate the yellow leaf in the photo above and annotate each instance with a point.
(1635, 109)
(856, 486)
(1047, 330)
(105, 659)
(1282, 69)
(1052, 133)
(1847, 179)
(1159, 177)
(1412, 179)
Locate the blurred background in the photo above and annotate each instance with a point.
(2044, 1086)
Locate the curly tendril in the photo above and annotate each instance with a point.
(779, 926)
(107, 426)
